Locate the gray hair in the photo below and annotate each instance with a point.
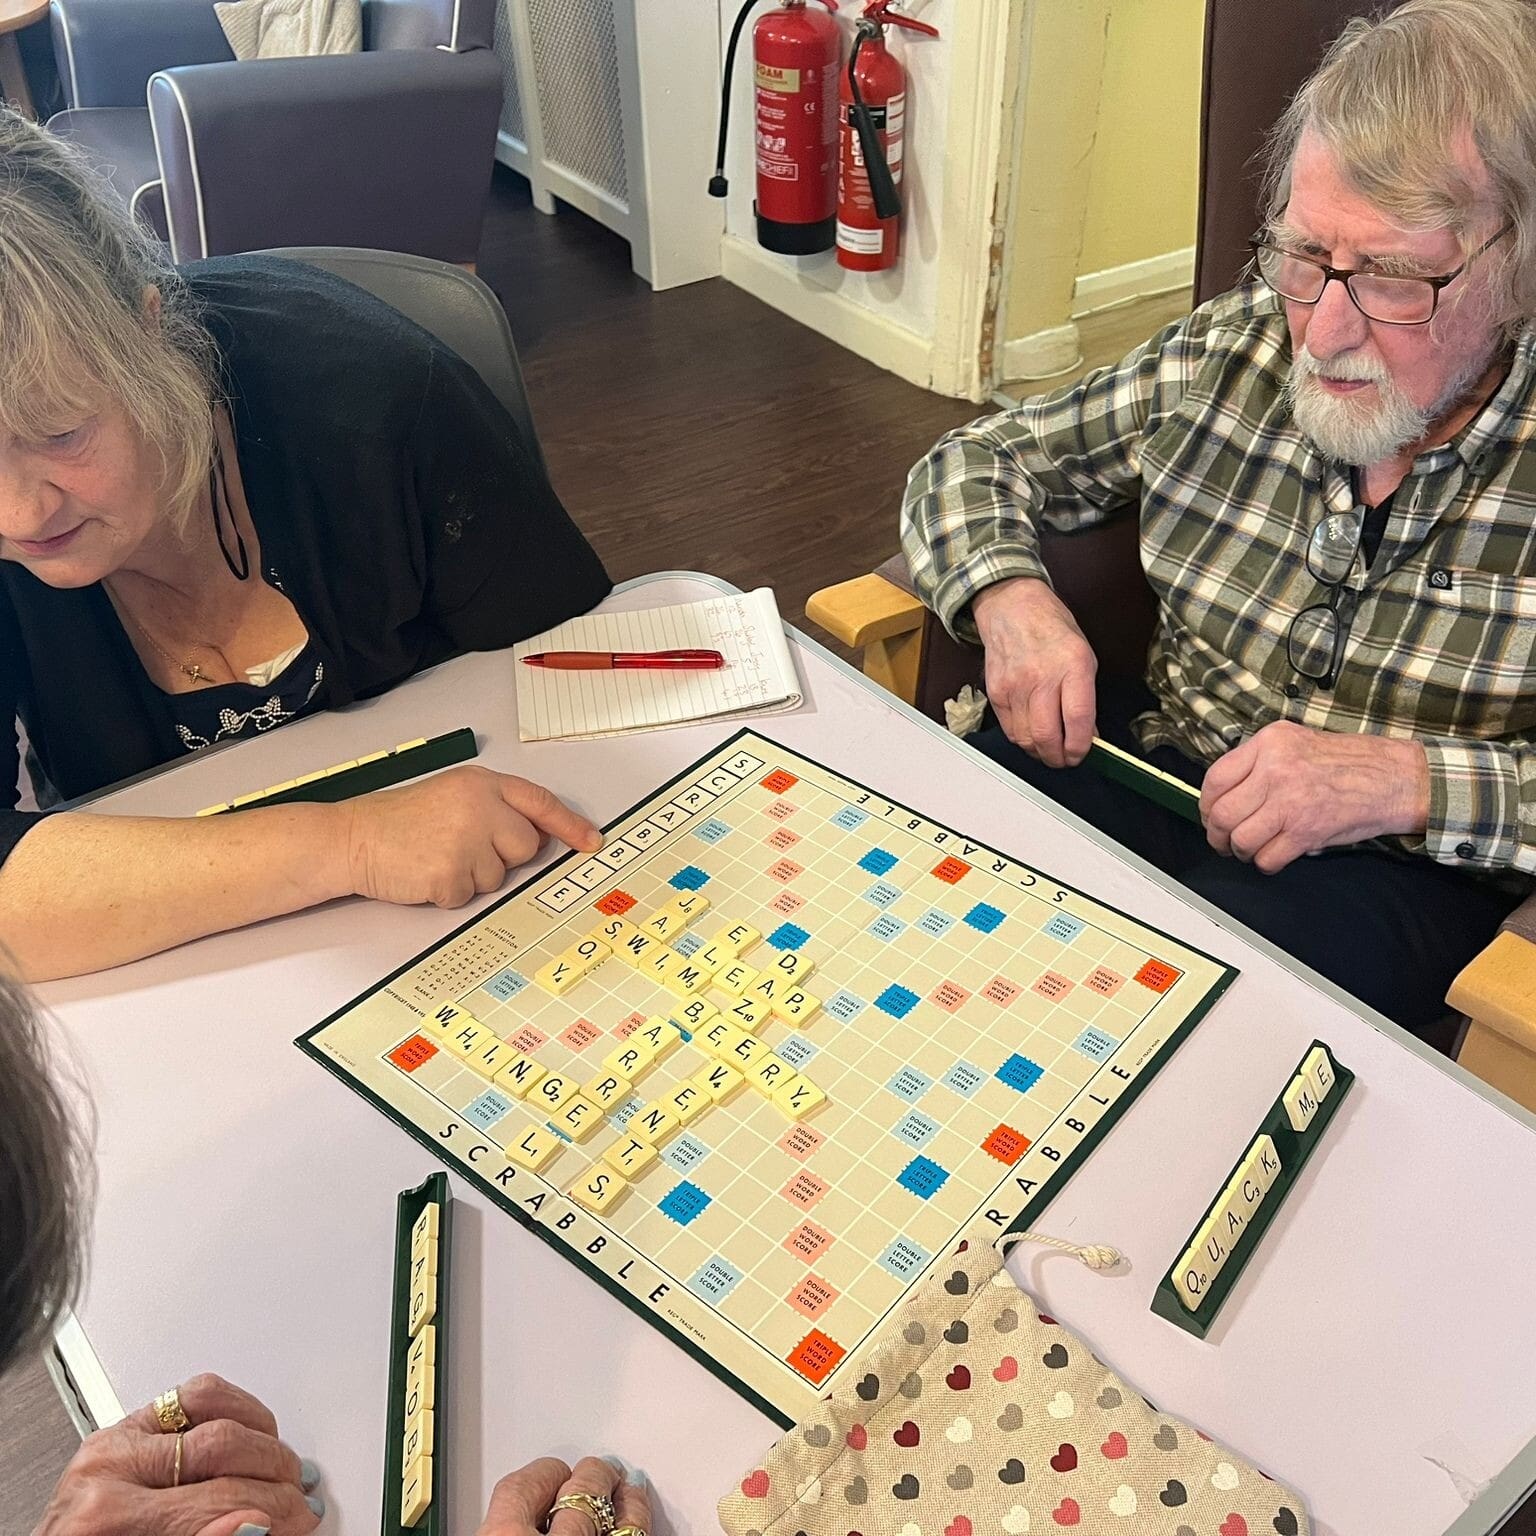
(75, 271)
(1392, 99)
(45, 1180)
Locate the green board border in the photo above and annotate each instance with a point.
(1068, 1166)
(1293, 1149)
(410, 1204)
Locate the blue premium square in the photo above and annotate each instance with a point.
(878, 862)
(796, 1050)
(488, 1109)
(712, 831)
(897, 1001)
(1020, 1072)
(1095, 1044)
(684, 1204)
(685, 1153)
(505, 985)
(850, 818)
(935, 923)
(885, 927)
(986, 919)
(904, 1258)
(689, 878)
(1064, 928)
(882, 895)
(964, 1078)
(915, 1129)
(688, 944)
(844, 1006)
(715, 1281)
(788, 936)
(910, 1084)
(923, 1177)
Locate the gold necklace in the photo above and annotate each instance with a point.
(189, 668)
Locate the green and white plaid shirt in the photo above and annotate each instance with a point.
(1194, 429)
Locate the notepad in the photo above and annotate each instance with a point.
(758, 677)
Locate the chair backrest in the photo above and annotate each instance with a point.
(454, 305)
(457, 25)
(1257, 55)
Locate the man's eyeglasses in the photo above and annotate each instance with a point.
(1315, 641)
(1379, 296)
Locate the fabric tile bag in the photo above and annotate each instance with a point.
(975, 1415)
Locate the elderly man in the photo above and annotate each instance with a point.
(1335, 485)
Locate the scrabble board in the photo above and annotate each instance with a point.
(759, 1062)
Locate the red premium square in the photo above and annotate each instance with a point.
(816, 1356)
(952, 871)
(615, 904)
(1158, 975)
(415, 1052)
(1006, 1144)
(778, 781)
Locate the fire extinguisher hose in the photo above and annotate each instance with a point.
(718, 185)
(881, 184)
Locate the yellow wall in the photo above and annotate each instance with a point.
(1107, 159)
(1142, 195)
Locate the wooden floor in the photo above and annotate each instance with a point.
(695, 429)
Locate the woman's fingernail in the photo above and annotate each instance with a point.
(636, 1478)
(316, 1505)
(309, 1474)
(254, 1530)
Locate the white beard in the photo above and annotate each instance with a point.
(1363, 432)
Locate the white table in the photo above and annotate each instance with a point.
(1380, 1352)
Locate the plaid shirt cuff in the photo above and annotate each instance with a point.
(956, 589)
(1475, 805)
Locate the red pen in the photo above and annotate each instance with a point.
(622, 661)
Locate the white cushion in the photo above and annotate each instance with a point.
(285, 29)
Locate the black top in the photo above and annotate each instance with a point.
(228, 711)
(398, 508)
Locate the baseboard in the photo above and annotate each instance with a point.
(1114, 285)
(779, 282)
(1042, 355)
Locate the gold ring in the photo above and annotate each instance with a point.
(171, 1415)
(629, 1530)
(597, 1507)
(181, 1435)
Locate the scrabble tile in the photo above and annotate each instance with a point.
(685, 978)
(612, 931)
(553, 1093)
(419, 1395)
(559, 976)
(688, 1103)
(466, 1036)
(747, 1052)
(1300, 1101)
(424, 1229)
(422, 1355)
(372, 757)
(1211, 1239)
(692, 905)
(416, 1491)
(1319, 1069)
(493, 1055)
(588, 954)
(1230, 1217)
(800, 1098)
(630, 1062)
(440, 1021)
(424, 1266)
(693, 1015)
(737, 937)
(423, 1305)
(652, 1124)
(721, 1082)
(1192, 1277)
(519, 1075)
(606, 1089)
(632, 946)
(736, 978)
(792, 965)
(667, 922)
(629, 1156)
(598, 1189)
(767, 987)
(418, 1436)
(1265, 1160)
(749, 1012)
(535, 1149)
(579, 1118)
(660, 964)
(658, 1035)
(796, 1007)
(720, 1037)
(770, 1073)
(714, 957)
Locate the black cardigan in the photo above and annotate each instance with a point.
(398, 507)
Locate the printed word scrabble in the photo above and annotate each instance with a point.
(762, 1059)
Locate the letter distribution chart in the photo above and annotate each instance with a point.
(761, 1061)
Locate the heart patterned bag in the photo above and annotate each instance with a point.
(977, 1414)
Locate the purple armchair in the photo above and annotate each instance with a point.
(390, 148)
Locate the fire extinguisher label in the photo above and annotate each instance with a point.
(877, 115)
(770, 77)
(866, 242)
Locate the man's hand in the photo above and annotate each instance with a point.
(235, 1472)
(1040, 670)
(1289, 790)
(521, 1502)
(452, 836)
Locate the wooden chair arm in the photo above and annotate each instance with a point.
(872, 615)
(1497, 992)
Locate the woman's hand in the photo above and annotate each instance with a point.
(236, 1475)
(522, 1501)
(452, 836)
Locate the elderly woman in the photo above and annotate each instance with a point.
(236, 1477)
(229, 497)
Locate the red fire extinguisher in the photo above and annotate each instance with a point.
(797, 55)
(873, 133)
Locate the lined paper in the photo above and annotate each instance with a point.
(758, 677)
